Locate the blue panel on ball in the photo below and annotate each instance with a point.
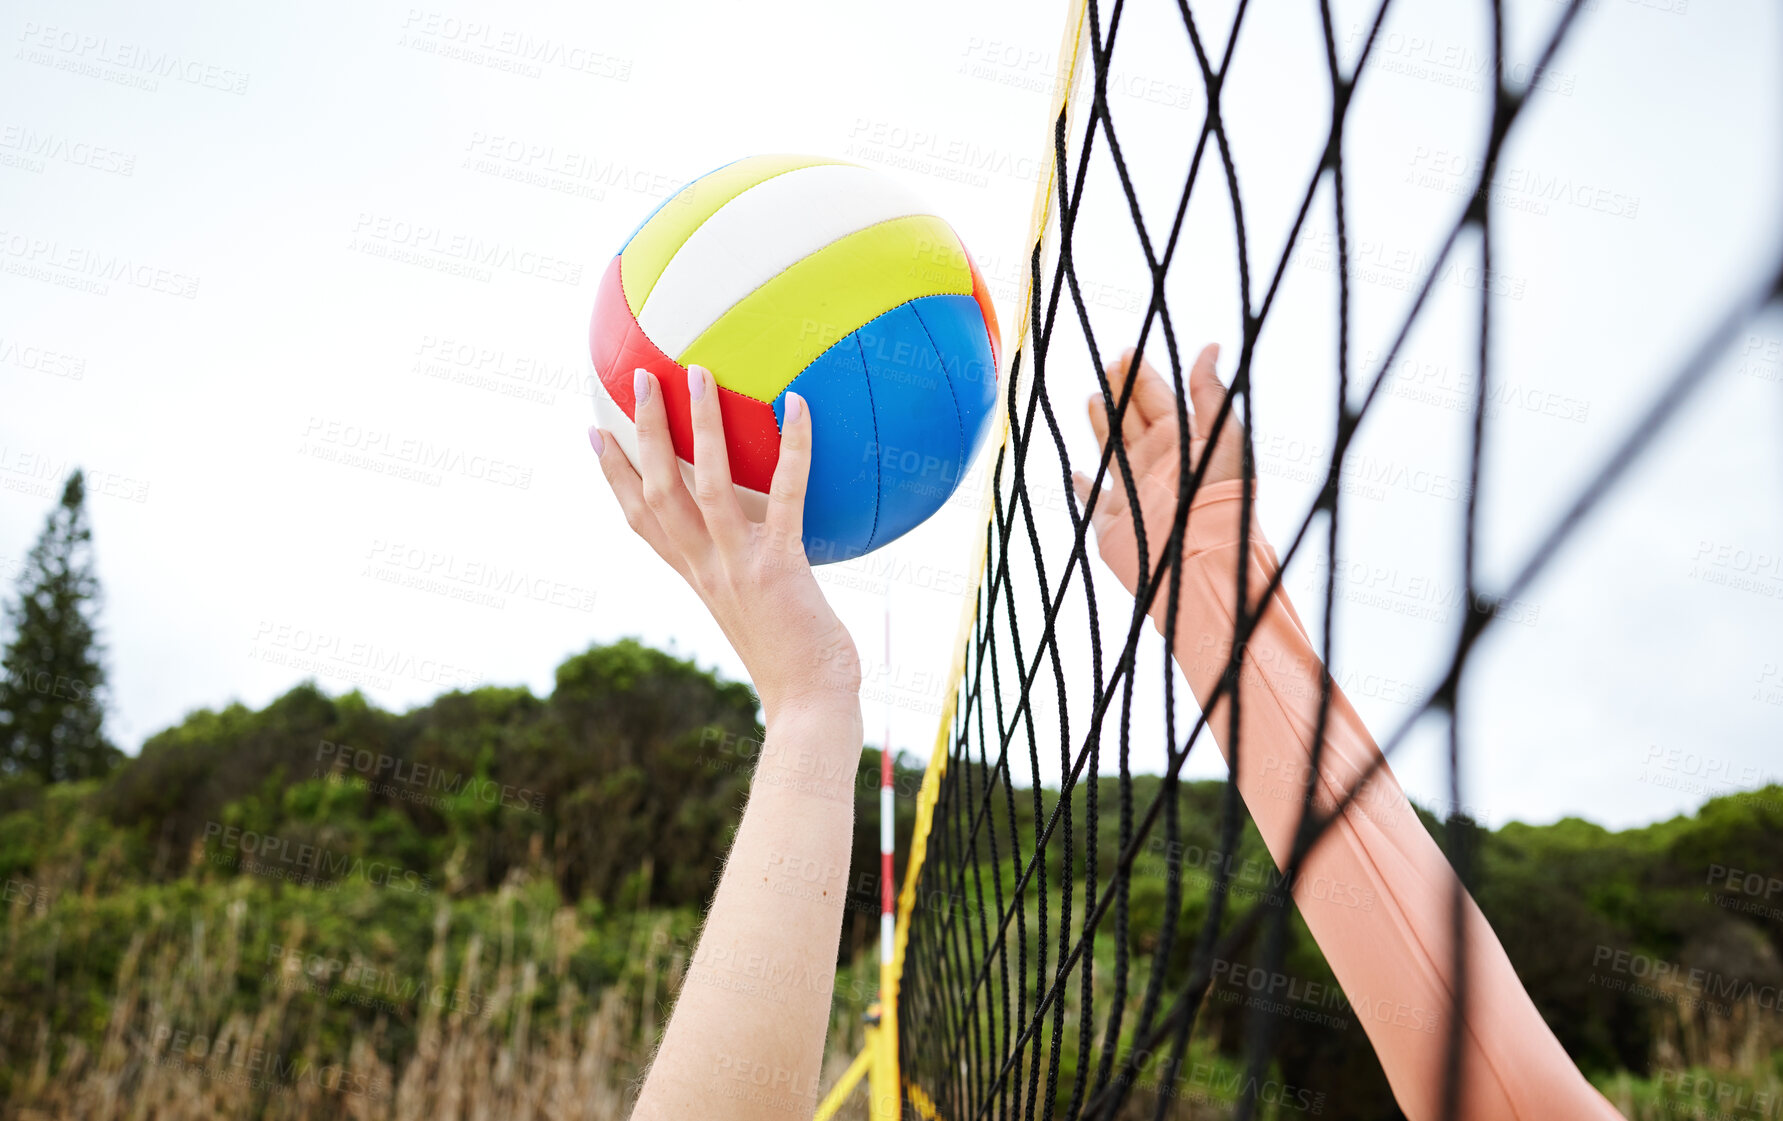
(842, 498)
(921, 441)
(956, 326)
(900, 406)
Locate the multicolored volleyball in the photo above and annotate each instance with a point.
(832, 281)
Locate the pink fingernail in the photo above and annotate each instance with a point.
(795, 407)
(596, 441)
(696, 382)
(640, 385)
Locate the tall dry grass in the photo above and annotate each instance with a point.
(179, 1037)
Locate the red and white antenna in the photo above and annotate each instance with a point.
(887, 906)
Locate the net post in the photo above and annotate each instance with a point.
(844, 1086)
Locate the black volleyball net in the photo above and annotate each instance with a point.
(1077, 909)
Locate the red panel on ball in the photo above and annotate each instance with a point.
(619, 346)
(989, 310)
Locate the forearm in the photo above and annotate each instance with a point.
(746, 1036)
(1376, 892)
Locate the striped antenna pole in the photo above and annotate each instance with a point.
(885, 1105)
(888, 907)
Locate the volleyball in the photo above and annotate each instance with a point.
(823, 278)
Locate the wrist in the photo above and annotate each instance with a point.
(813, 748)
(1214, 526)
(826, 716)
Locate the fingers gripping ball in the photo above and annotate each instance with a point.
(783, 273)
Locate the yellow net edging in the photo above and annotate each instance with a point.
(879, 1055)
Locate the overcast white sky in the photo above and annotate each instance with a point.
(232, 288)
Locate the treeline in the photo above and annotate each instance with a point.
(575, 838)
(1655, 954)
(623, 786)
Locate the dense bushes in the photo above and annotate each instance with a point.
(404, 841)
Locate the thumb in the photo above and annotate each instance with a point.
(1206, 391)
(1080, 485)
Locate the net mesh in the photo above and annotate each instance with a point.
(1051, 968)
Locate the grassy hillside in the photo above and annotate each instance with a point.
(482, 907)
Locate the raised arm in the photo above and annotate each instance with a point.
(746, 1037)
(1376, 891)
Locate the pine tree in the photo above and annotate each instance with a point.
(51, 709)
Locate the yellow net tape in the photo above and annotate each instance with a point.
(921, 1102)
(881, 1049)
(1072, 48)
(1044, 193)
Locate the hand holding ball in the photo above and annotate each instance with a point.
(789, 273)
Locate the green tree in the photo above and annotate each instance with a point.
(51, 714)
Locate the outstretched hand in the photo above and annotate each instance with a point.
(753, 576)
(1153, 443)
